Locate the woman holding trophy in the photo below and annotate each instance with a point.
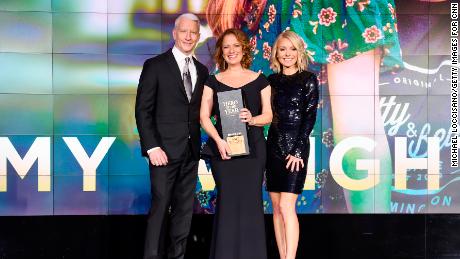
(239, 230)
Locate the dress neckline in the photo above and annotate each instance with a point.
(290, 76)
(250, 82)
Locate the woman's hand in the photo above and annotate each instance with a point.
(294, 163)
(224, 149)
(246, 116)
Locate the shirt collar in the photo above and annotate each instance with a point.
(179, 55)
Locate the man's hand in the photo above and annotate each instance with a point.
(158, 157)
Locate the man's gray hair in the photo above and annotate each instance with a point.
(189, 16)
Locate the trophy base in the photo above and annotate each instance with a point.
(237, 145)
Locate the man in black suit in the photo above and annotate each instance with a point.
(167, 116)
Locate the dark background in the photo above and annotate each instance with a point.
(322, 236)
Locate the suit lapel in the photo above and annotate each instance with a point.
(199, 78)
(174, 68)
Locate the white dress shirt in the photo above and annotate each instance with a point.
(180, 60)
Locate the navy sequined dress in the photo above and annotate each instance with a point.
(294, 104)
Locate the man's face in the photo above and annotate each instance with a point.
(186, 35)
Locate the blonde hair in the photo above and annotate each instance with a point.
(299, 46)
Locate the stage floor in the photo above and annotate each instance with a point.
(322, 236)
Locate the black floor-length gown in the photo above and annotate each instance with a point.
(239, 230)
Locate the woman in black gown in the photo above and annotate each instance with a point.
(294, 102)
(239, 231)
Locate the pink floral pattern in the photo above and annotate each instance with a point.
(322, 77)
(363, 4)
(336, 45)
(328, 138)
(392, 11)
(298, 3)
(372, 34)
(267, 51)
(327, 16)
(350, 3)
(335, 57)
(335, 49)
(334, 30)
(314, 26)
(296, 13)
(271, 14)
(267, 26)
(388, 28)
(253, 43)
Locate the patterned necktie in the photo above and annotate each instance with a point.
(187, 79)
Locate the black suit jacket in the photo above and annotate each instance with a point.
(164, 116)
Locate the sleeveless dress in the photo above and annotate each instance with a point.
(239, 230)
(294, 105)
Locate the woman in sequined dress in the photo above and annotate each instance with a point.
(294, 105)
(352, 42)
